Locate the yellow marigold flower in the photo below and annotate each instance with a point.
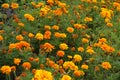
(12, 46)
(31, 35)
(85, 40)
(78, 73)
(17, 61)
(88, 19)
(77, 58)
(55, 27)
(66, 77)
(106, 65)
(63, 46)
(80, 49)
(84, 66)
(19, 37)
(39, 36)
(48, 47)
(62, 35)
(6, 69)
(29, 17)
(26, 65)
(70, 65)
(5, 5)
(1, 38)
(14, 5)
(70, 29)
(42, 75)
(90, 51)
(60, 53)
(21, 24)
(69, 56)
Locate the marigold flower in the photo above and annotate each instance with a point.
(48, 47)
(63, 35)
(84, 66)
(14, 5)
(55, 27)
(5, 5)
(42, 75)
(109, 24)
(21, 24)
(70, 29)
(29, 17)
(78, 26)
(47, 34)
(63, 46)
(58, 12)
(77, 58)
(60, 53)
(1, 38)
(87, 19)
(26, 65)
(102, 40)
(80, 49)
(57, 34)
(17, 61)
(90, 51)
(66, 77)
(78, 73)
(85, 40)
(47, 27)
(50, 2)
(31, 35)
(13, 68)
(19, 37)
(6, 69)
(39, 36)
(106, 65)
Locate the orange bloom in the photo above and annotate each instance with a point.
(14, 5)
(85, 40)
(70, 29)
(84, 66)
(5, 5)
(29, 17)
(80, 49)
(21, 24)
(106, 65)
(78, 73)
(47, 27)
(55, 27)
(48, 47)
(47, 34)
(63, 46)
(60, 53)
(66, 77)
(13, 68)
(58, 12)
(19, 37)
(26, 65)
(6, 69)
(17, 61)
(1, 38)
(31, 35)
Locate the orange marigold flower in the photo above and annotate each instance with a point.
(26, 65)
(90, 51)
(50, 2)
(106, 65)
(88, 19)
(5, 5)
(70, 29)
(58, 12)
(6, 69)
(1, 38)
(19, 37)
(102, 40)
(63, 46)
(109, 24)
(78, 73)
(47, 35)
(47, 27)
(13, 68)
(60, 53)
(80, 49)
(21, 24)
(85, 40)
(17, 61)
(48, 47)
(14, 5)
(84, 66)
(12, 46)
(66, 77)
(55, 27)
(63, 35)
(57, 34)
(30, 35)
